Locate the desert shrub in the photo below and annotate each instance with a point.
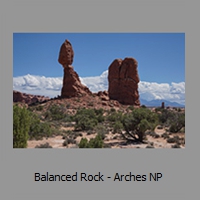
(64, 137)
(175, 120)
(39, 108)
(166, 116)
(159, 127)
(65, 143)
(21, 125)
(69, 140)
(115, 116)
(68, 132)
(138, 122)
(165, 135)
(143, 106)
(38, 129)
(96, 142)
(117, 127)
(173, 140)
(87, 119)
(83, 143)
(115, 137)
(86, 124)
(90, 132)
(156, 135)
(179, 109)
(149, 147)
(46, 145)
(71, 134)
(99, 114)
(55, 112)
(54, 131)
(101, 130)
(131, 108)
(153, 134)
(176, 146)
(159, 109)
(151, 143)
(178, 122)
(112, 110)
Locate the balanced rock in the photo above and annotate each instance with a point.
(123, 81)
(72, 86)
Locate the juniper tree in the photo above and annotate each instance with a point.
(21, 125)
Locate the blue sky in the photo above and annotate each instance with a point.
(160, 56)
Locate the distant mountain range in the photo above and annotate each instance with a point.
(157, 103)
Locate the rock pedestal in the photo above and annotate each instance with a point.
(72, 86)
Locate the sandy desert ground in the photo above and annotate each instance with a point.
(114, 141)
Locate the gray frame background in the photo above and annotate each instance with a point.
(179, 166)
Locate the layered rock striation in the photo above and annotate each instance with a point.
(123, 81)
(72, 86)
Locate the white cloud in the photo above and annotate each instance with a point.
(38, 85)
(174, 92)
(96, 83)
(51, 87)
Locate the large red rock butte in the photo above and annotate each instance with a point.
(123, 81)
(72, 86)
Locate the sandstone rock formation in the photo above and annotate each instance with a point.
(103, 95)
(28, 98)
(72, 86)
(123, 81)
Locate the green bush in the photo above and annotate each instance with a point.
(166, 116)
(175, 120)
(65, 143)
(143, 106)
(83, 143)
(176, 146)
(46, 145)
(55, 112)
(39, 108)
(178, 123)
(87, 119)
(115, 116)
(38, 129)
(138, 122)
(117, 127)
(173, 140)
(96, 142)
(153, 134)
(21, 125)
(101, 130)
(149, 147)
(165, 135)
